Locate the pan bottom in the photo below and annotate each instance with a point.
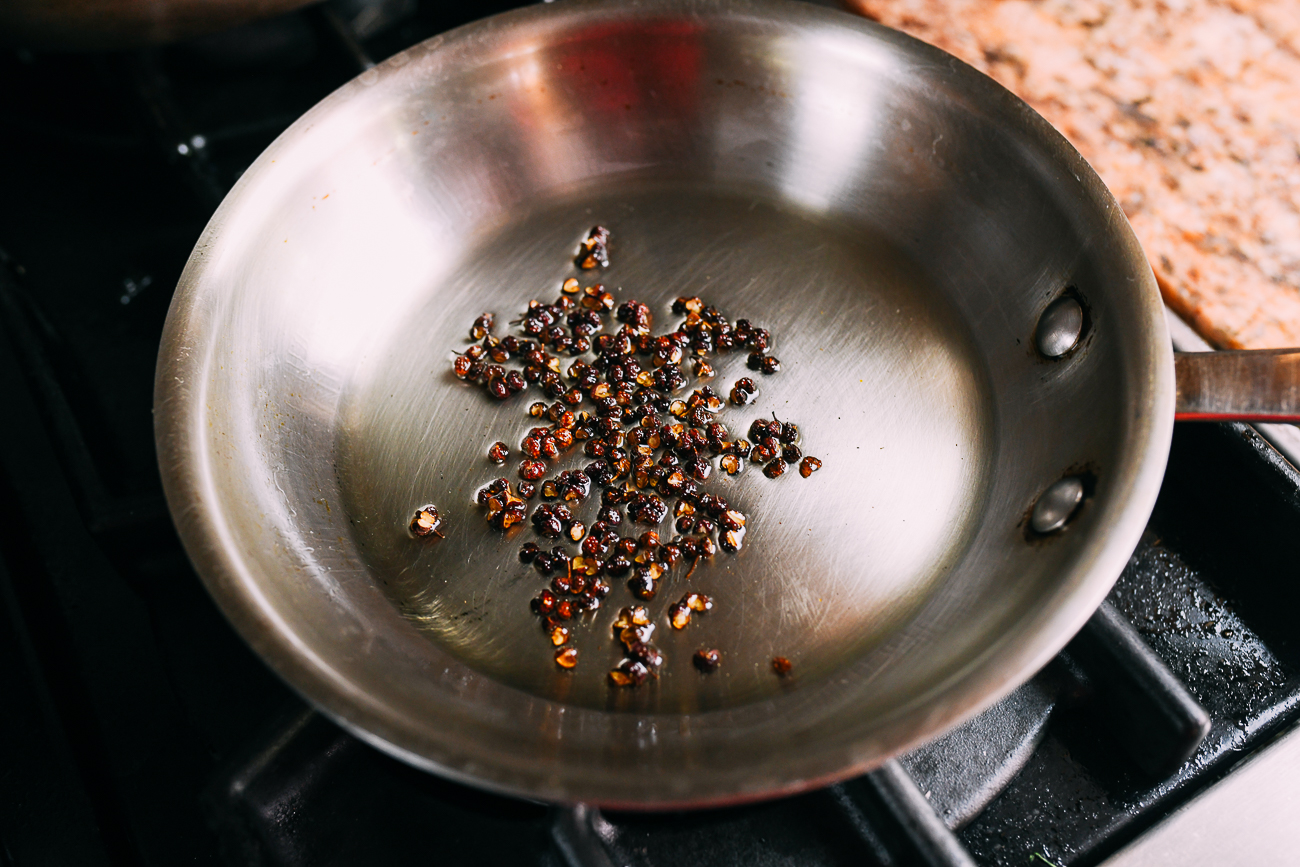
(878, 370)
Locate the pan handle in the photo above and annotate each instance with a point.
(1244, 385)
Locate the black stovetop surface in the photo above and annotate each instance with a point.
(138, 729)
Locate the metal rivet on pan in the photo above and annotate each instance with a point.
(1060, 327)
(1056, 505)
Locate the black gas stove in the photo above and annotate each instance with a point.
(138, 729)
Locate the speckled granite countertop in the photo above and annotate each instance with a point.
(1190, 112)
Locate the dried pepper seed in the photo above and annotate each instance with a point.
(732, 520)
(647, 509)
(702, 369)
(570, 286)
(634, 615)
(427, 521)
(498, 453)
(646, 654)
(707, 659)
(594, 252)
(566, 657)
(731, 464)
(481, 327)
(629, 672)
(586, 565)
(781, 665)
(544, 603)
(732, 540)
(577, 531)
(644, 584)
(531, 470)
(808, 466)
(774, 469)
(679, 615)
(698, 602)
(560, 635)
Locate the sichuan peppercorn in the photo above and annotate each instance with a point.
(559, 635)
(698, 602)
(426, 522)
(531, 470)
(679, 615)
(808, 466)
(528, 552)
(498, 453)
(646, 654)
(544, 603)
(629, 672)
(706, 659)
(481, 327)
(566, 657)
(790, 453)
(594, 252)
(774, 469)
(732, 540)
(781, 665)
(731, 464)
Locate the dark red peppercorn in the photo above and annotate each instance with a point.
(781, 665)
(498, 453)
(707, 660)
(426, 522)
(528, 552)
(774, 469)
(809, 466)
(544, 603)
(790, 454)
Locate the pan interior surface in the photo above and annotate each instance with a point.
(899, 223)
(879, 372)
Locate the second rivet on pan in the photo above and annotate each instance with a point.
(1060, 327)
(1057, 504)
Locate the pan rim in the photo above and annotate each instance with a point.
(189, 489)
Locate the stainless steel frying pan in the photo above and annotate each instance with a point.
(971, 339)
